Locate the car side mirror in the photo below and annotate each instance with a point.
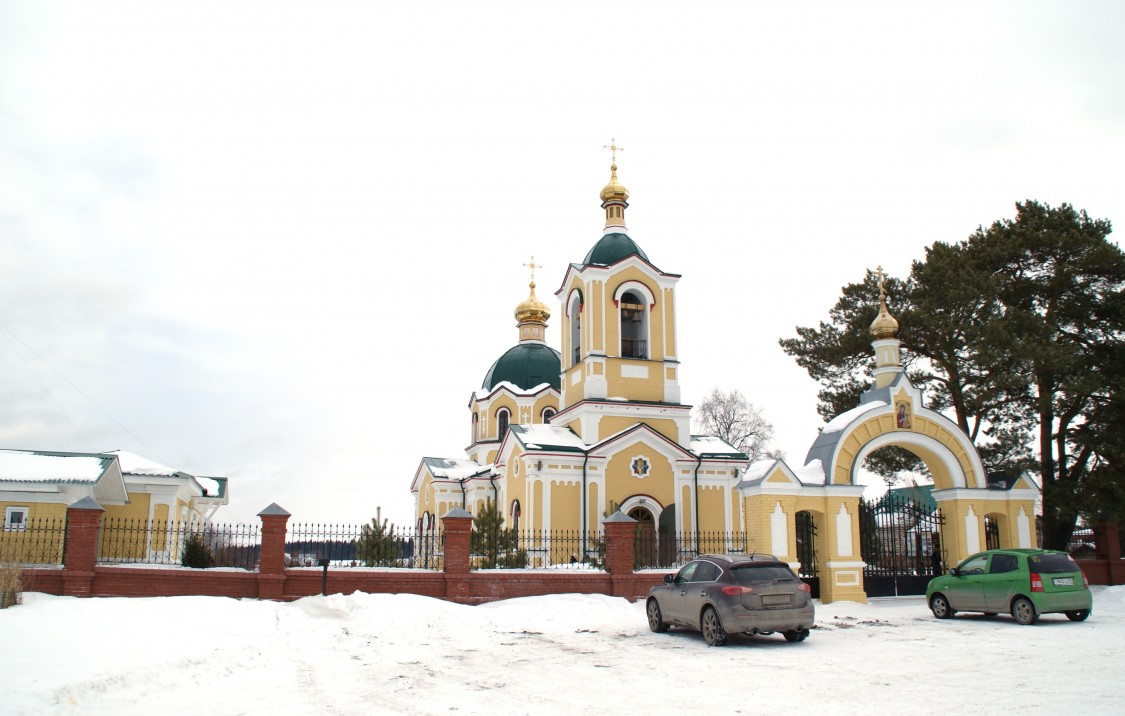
(668, 579)
(953, 571)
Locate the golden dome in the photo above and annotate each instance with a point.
(614, 190)
(532, 310)
(884, 325)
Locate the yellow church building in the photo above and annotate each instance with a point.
(560, 440)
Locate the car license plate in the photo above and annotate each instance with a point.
(776, 600)
(1064, 582)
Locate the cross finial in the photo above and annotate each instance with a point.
(532, 265)
(881, 275)
(613, 149)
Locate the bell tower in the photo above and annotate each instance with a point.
(619, 356)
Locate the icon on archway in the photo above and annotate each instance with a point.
(902, 415)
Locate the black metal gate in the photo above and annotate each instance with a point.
(902, 546)
(806, 551)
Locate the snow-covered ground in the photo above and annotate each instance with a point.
(562, 654)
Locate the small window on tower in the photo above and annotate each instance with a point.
(548, 413)
(502, 418)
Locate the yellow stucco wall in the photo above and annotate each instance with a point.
(611, 425)
(621, 485)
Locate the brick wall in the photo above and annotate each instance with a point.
(80, 576)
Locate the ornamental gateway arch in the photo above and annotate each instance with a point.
(814, 517)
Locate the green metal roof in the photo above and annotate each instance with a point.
(526, 365)
(612, 248)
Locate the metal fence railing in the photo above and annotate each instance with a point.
(557, 549)
(135, 541)
(369, 545)
(37, 542)
(661, 550)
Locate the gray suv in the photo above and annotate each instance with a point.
(721, 595)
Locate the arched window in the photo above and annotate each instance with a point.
(476, 426)
(634, 325)
(502, 418)
(548, 413)
(575, 315)
(515, 514)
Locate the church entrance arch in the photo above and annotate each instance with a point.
(646, 545)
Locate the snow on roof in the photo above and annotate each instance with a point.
(758, 469)
(811, 474)
(842, 420)
(136, 465)
(209, 485)
(482, 393)
(23, 465)
(712, 444)
(454, 468)
(538, 435)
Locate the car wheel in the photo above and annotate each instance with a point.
(939, 605)
(1078, 615)
(796, 635)
(712, 628)
(655, 618)
(1023, 611)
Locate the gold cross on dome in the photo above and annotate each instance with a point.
(533, 266)
(881, 275)
(613, 149)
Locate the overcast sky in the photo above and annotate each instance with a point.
(283, 242)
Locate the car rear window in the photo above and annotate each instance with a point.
(1050, 563)
(751, 575)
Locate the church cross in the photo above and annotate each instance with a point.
(881, 275)
(533, 266)
(613, 149)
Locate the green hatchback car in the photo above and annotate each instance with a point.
(1023, 582)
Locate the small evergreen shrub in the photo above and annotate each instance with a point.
(196, 553)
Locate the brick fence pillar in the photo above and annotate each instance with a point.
(83, 519)
(457, 526)
(271, 562)
(619, 556)
(1107, 543)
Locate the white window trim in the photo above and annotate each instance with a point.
(9, 511)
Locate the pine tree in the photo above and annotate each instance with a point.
(1016, 331)
(377, 545)
(496, 545)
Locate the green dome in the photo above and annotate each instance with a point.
(612, 248)
(526, 365)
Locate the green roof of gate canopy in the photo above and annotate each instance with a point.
(526, 366)
(612, 248)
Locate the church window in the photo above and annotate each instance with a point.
(548, 413)
(515, 515)
(476, 426)
(502, 418)
(634, 326)
(575, 315)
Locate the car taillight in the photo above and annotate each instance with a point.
(1036, 582)
(734, 591)
(1085, 582)
(804, 587)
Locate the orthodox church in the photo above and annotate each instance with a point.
(561, 440)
